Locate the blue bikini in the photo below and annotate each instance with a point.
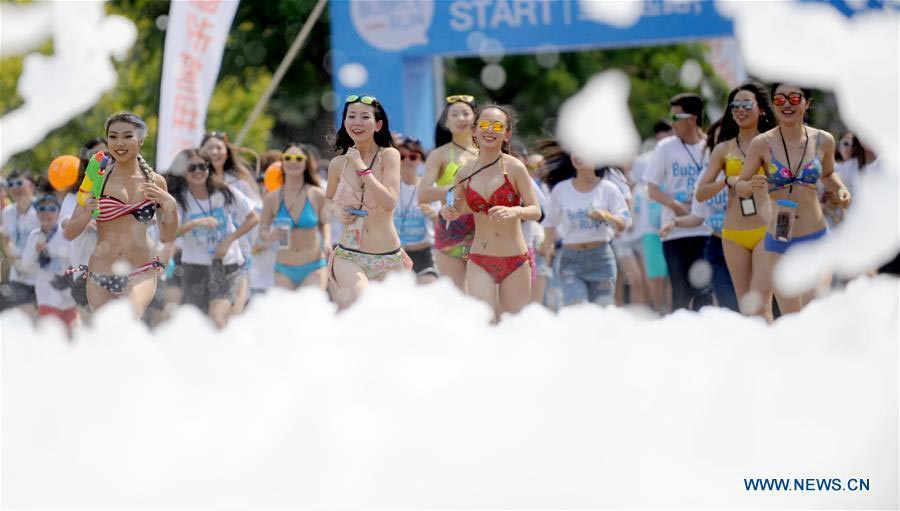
(308, 219)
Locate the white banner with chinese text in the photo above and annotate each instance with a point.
(195, 40)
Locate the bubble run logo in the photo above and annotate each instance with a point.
(392, 25)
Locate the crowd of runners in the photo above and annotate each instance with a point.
(701, 218)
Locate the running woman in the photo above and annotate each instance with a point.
(363, 187)
(586, 211)
(795, 157)
(742, 227)
(212, 218)
(454, 147)
(496, 187)
(293, 217)
(133, 195)
(231, 169)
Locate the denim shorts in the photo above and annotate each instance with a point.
(587, 275)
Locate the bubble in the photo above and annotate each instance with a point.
(255, 52)
(5, 291)
(700, 274)
(492, 51)
(329, 100)
(547, 56)
(621, 14)
(353, 75)
(162, 21)
(121, 268)
(493, 76)
(668, 73)
(751, 303)
(475, 40)
(691, 73)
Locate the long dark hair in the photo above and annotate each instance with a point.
(234, 163)
(177, 184)
(512, 120)
(310, 172)
(383, 137)
(441, 134)
(857, 151)
(557, 165)
(766, 121)
(141, 127)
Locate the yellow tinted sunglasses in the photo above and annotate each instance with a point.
(366, 100)
(496, 126)
(293, 157)
(465, 98)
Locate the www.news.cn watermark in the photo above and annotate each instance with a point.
(806, 484)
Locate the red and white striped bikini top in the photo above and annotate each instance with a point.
(112, 208)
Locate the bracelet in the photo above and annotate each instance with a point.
(364, 172)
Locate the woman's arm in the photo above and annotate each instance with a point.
(250, 221)
(830, 178)
(320, 203)
(756, 158)
(709, 185)
(428, 190)
(386, 190)
(686, 221)
(158, 192)
(80, 219)
(530, 210)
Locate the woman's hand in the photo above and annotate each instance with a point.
(207, 222)
(758, 183)
(666, 228)
(345, 217)
(844, 198)
(600, 214)
(449, 213)
(222, 248)
(428, 211)
(355, 159)
(153, 192)
(500, 213)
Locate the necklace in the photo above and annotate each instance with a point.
(465, 149)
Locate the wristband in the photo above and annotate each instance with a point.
(365, 172)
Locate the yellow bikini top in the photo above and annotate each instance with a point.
(450, 170)
(735, 163)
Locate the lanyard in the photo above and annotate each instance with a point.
(362, 184)
(702, 157)
(196, 201)
(476, 172)
(787, 154)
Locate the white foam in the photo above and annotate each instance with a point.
(410, 399)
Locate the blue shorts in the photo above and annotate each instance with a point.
(780, 247)
(587, 275)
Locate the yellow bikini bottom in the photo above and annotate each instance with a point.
(747, 238)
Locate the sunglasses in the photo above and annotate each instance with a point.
(47, 208)
(410, 156)
(197, 167)
(496, 126)
(293, 157)
(679, 117)
(465, 98)
(16, 183)
(793, 98)
(366, 100)
(216, 134)
(746, 104)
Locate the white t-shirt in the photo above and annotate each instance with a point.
(246, 242)
(412, 225)
(531, 230)
(81, 248)
(57, 248)
(712, 210)
(200, 244)
(676, 167)
(569, 208)
(262, 271)
(17, 226)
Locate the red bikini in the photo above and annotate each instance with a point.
(498, 267)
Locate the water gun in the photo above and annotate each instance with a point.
(94, 177)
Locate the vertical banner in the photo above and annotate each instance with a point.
(195, 40)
